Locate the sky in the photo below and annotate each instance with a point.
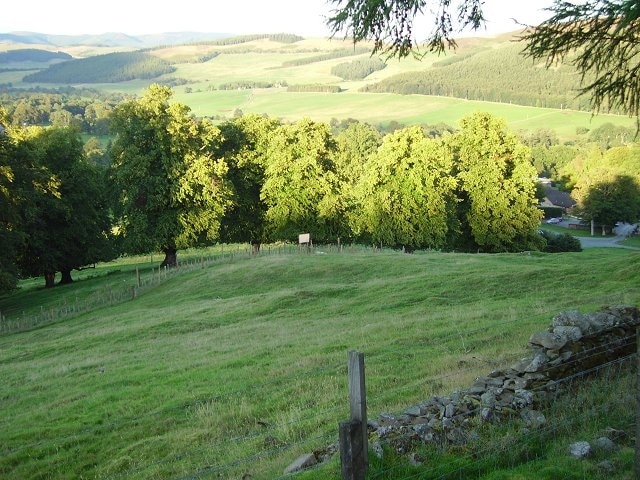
(135, 17)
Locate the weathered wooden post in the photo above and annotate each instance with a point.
(138, 277)
(353, 434)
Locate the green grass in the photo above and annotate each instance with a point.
(264, 61)
(239, 367)
(384, 108)
(631, 241)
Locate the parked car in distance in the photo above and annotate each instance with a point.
(554, 220)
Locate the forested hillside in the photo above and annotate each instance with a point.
(109, 68)
(32, 55)
(494, 73)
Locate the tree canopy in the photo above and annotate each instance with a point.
(389, 23)
(167, 174)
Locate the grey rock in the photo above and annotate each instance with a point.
(522, 398)
(487, 414)
(606, 466)
(570, 332)
(415, 411)
(533, 418)
(378, 451)
(449, 410)
(488, 399)
(549, 340)
(580, 449)
(301, 463)
(538, 362)
(572, 318)
(521, 366)
(605, 444)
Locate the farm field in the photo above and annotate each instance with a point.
(381, 109)
(273, 62)
(237, 365)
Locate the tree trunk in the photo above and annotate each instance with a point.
(49, 279)
(170, 258)
(255, 248)
(66, 277)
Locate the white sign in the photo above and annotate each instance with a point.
(304, 238)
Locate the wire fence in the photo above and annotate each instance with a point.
(142, 280)
(260, 452)
(264, 447)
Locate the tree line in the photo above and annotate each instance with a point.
(177, 181)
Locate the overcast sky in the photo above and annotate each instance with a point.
(303, 17)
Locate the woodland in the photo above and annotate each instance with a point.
(134, 173)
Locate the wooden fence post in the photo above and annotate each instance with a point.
(352, 462)
(354, 437)
(138, 277)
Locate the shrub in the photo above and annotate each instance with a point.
(562, 242)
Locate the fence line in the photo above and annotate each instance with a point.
(22, 322)
(271, 452)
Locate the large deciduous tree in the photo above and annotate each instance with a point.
(66, 217)
(10, 205)
(609, 200)
(246, 152)
(406, 194)
(168, 177)
(496, 186)
(301, 188)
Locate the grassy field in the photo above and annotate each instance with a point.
(238, 365)
(267, 61)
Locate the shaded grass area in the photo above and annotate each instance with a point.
(241, 366)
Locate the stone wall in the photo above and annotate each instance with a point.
(573, 344)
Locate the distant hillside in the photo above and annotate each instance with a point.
(109, 68)
(109, 39)
(32, 55)
(494, 73)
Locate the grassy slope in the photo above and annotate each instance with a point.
(247, 357)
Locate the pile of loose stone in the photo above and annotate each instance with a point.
(573, 344)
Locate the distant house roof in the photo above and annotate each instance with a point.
(558, 198)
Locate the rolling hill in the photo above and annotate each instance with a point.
(288, 76)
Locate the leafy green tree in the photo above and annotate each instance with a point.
(609, 200)
(246, 152)
(67, 227)
(10, 235)
(301, 187)
(609, 135)
(549, 161)
(168, 178)
(355, 144)
(496, 186)
(406, 195)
